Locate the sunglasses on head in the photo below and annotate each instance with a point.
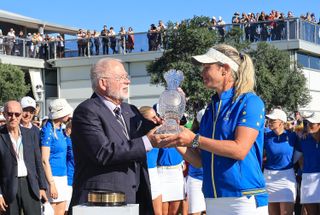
(10, 114)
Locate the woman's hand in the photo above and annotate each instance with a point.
(53, 191)
(184, 138)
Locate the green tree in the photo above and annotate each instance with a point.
(279, 81)
(12, 83)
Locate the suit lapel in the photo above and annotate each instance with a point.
(127, 114)
(24, 143)
(6, 139)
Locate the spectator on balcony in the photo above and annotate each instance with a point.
(236, 18)
(96, 41)
(130, 40)
(29, 45)
(162, 34)
(9, 41)
(290, 15)
(88, 49)
(60, 46)
(152, 38)
(220, 26)
(81, 42)
(46, 44)
(20, 39)
(213, 23)
(313, 18)
(105, 40)
(122, 41)
(113, 40)
(246, 23)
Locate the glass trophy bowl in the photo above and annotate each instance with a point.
(171, 103)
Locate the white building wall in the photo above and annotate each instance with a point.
(313, 83)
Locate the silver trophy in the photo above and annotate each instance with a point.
(172, 103)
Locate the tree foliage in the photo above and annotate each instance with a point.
(279, 81)
(12, 83)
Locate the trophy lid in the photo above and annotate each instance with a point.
(173, 78)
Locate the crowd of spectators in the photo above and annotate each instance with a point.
(259, 26)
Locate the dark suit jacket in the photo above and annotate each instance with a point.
(104, 158)
(8, 164)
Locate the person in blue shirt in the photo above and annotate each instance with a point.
(229, 145)
(279, 146)
(152, 157)
(196, 201)
(54, 154)
(310, 148)
(70, 161)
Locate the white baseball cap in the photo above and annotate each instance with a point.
(313, 118)
(277, 114)
(59, 108)
(27, 101)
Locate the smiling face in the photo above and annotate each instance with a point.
(27, 115)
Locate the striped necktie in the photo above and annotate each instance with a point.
(117, 113)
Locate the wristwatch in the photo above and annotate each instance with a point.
(195, 142)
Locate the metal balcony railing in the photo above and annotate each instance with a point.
(52, 48)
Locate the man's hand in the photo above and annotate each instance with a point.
(3, 204)
(43, 195)
(155, 139)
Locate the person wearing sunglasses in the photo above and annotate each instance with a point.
(21, 173)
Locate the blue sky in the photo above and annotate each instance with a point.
(139, 14)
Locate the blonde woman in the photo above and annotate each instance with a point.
(230, 137)
(54, 154)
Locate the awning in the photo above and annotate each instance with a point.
(29, 22)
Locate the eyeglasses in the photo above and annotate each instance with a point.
(11, 114)
(119, 78)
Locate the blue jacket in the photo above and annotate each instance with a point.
(227, 177)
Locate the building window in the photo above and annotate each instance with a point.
(309, 61)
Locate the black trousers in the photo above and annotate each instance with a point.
(25, 200)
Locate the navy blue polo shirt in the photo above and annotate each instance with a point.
(169, 157)
(279, 150)
(310, 149)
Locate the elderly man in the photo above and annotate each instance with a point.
(109, 140)
(21, 173)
